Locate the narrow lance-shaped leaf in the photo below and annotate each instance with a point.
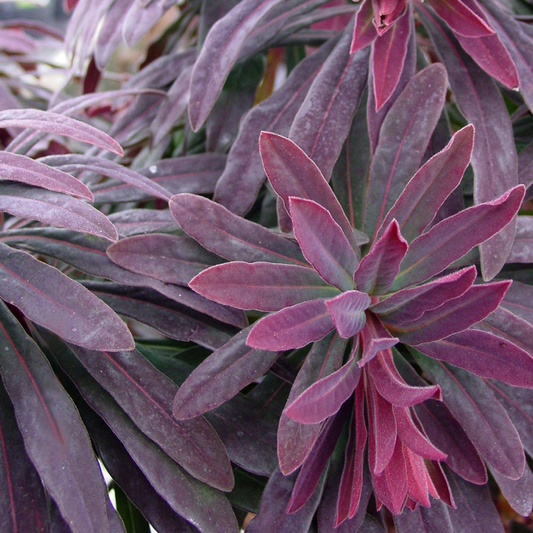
(374, 338)
(364, 32)
(519, 492)
(461, 19)
(348, 312)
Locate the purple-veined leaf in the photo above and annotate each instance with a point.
(292, 173)
(461, 19)
(221, 376)
(295, 440)
(229, 235)
(323, 243)
(519, 492)
(403, 139)
(410, 304)
(56, 302)
(391, 484)
(484, 420)
(494, 155)
(134, 221)
(292, 327)
(454, 236)
(323, 121)
(25, 170)
(433, 519)
(58, 125)
(84, 163)
(375, 338)
(388, 57)
(54, 436)
(430, 186)
(169, 258)
(219, 53)
(325, 397)
(379, 267)
(484, 354)
(261, 286)
(453, 316)
(348, 312)
(54, 208)
(243, 176)
(521, 249)
(364, 32)
(146, 396)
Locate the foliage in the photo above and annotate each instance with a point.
(280, 271)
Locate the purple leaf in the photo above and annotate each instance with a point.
(221, 376)
(453, 316)
(461, 19)
(323, 243)
(141, 18)
(292, 327)
(25, 170)
(292, 173)
(453, 237)
(430, 186)
(521, 251)
(485, 355)
(434, 519)
(146, 396)
(323, 121)
(519, 301)
(219, 53)
(325, 397)
(379, 267)
(375, 338)
(231, 236)
(54, 436)
(261, 286)
(54, 301)
(295, 440)
(56, 209)
(348, 312)
(388, 57)
(143, 220)
(484, 420)
(494, 155)
(169, 258)
(519, 492)
(364, 32)
(402, 142)
(410, 304)
(58, 125)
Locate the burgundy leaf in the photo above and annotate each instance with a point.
(221, 376)
(58, 125)
(375, 338)
(219, 53)
(410, 304)
(169, 258)
(296, 440)
(55, 209)
(461, 19)
(379, 267)
(54, 436)
(261, 286)
(325, 397)
(388, 57)
(292, 173)
(229, 235)
(453, 237)
(54, 301)
(403, 140)
(484, 354)
(454, 315)
(519, 493)
(484, 420)
(323, 243)
(348, 312)
(323, 121)
(146, 396)
(364, 32)
(25, 170)
(430, 186)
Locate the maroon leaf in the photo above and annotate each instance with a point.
(261, 286)
(219, 53)
(54, 208)
(403, 140)
(375, 338)
(453, 237)
(348, 312)
(430, 186)
(292, 327)
(388, 57)
(323, 243)
(221, 376)
(54, 436)
(390, 485)
(379, 267)
(58, 125)
(461, 19)
(364, 32)
(229, 235)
